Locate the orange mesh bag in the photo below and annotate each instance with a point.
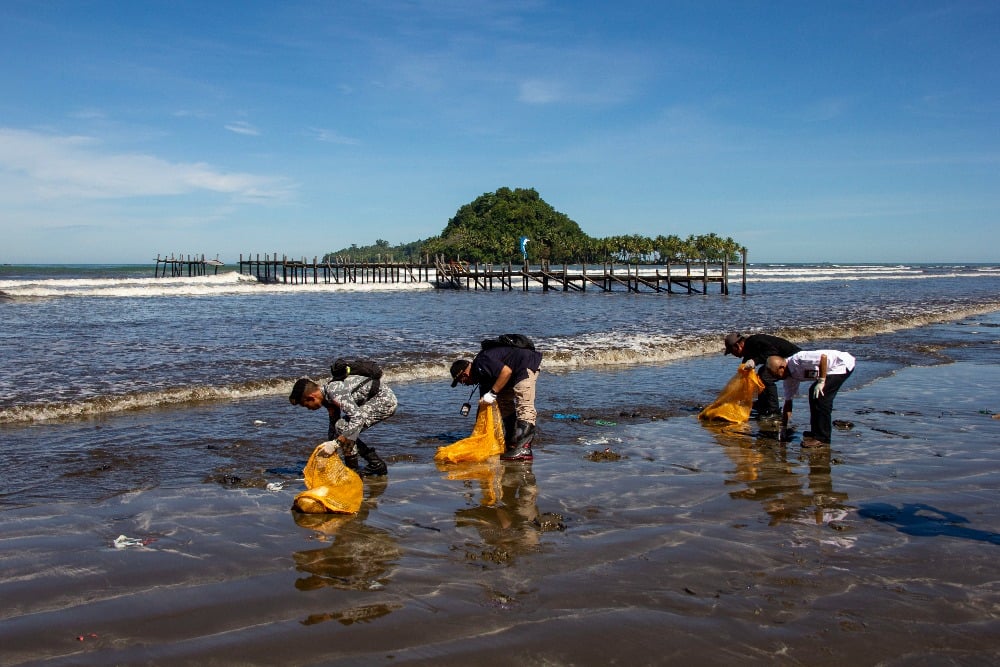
(736, 398)
(330, 485)
(486, 439)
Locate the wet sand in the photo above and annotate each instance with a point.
(638, 543)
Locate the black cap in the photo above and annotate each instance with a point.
(730, 341)
(457, 368)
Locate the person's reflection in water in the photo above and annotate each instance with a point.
(358, 557)
(763, 468)
(509, 525)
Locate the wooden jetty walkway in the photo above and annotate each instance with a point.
(181, 266)
(668, 278)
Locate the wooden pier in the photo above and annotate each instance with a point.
(270, 269)
(668, 278)
(189, 266)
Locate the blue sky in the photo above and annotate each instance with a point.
(809, 131)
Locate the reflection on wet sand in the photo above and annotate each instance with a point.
(507, 518)
(763, 468)
(359, 556)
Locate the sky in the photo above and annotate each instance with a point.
(807, 130)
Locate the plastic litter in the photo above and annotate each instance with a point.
(123, 542)
(560, 415)
(486, 440)
(736, 398)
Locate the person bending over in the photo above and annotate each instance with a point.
(506, 375)
(755, 350)
(353, 407)
(828, 369)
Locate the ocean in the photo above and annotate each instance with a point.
(156, 407)
(92, 341)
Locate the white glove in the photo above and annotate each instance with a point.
(749, 363)
(489, 398)
(818, 387)
(329, 448)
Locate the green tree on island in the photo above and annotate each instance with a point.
(489, 230)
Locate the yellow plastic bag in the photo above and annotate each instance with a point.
(486, 439)
(736, 398)
(330, 485)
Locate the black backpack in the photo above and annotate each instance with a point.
(509, 340)
(341, 368)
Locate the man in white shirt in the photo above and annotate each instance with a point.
(828, 369)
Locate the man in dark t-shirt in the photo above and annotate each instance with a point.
(754, 350)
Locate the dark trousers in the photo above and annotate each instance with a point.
(767, 400)
(821, 409)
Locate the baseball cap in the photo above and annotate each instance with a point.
(457, 368)
(731, 340)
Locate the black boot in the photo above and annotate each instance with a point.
(520, 448)
(351, 462)
(509, 430)
(376, 466)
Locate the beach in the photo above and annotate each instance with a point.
(638, 535)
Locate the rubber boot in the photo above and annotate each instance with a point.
(376, 466)
(509, 431)
(351, 462)
(520, 449)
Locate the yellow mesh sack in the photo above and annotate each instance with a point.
(330, 485)
(736, 398)
(486, 439)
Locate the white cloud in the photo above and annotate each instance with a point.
(333, 137)
(76, 167)
(243, 127)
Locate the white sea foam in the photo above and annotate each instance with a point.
(230, 283)
(234, 283)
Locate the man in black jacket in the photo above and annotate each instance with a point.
(506, 374)
(754, 350)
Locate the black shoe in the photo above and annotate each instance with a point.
(374, 470)
(376, 466)
(351, 462)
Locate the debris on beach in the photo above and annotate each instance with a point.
(606, 455)
(124, 542)
(843, 424)
(549, 521)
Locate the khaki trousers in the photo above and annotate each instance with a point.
(520, 399)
